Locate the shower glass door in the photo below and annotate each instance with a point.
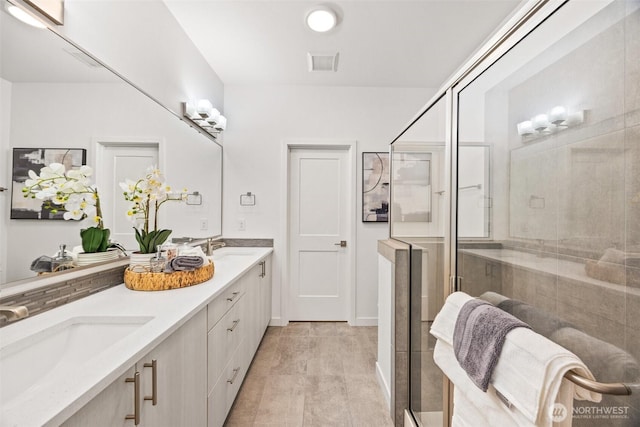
(548, 190)
(419, 199)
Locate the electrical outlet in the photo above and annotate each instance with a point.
(242, 224)
(204, 224)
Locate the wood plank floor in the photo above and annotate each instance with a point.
(316, 374)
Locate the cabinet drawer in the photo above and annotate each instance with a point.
(224, 392)
(224, 339)
(223, 302)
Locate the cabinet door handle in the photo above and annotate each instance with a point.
(235, 323)
(154, 381)
(136, 398)
(235, 294)
(263, 264)
(235, 374)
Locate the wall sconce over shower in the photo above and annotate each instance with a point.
(556, 120)
(203, 115)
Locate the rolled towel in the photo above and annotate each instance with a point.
(185, 263)
(608, 362)
(478, 337)
(541, 321)
(613, 255)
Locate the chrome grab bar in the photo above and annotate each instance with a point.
(617, 389)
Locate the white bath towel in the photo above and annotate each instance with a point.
(529, 375)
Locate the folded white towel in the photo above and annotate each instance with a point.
(445, 322)
(529, 373)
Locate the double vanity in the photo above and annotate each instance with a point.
(123, 357)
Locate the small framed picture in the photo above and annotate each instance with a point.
(26, 159)
(375, 187)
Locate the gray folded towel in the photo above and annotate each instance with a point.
(478, 336)
(184, 263)
(42, 264)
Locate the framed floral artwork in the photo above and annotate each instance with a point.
(375, 187)
(26, 159)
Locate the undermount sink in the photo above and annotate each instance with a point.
(231, 253)
(59, 349)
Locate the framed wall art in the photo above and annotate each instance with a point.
(375, 187)
(26, 159)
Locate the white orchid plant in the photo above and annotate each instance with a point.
(147, 195)
(72, 191)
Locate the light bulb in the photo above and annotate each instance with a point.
(322, 19)
(558, 115)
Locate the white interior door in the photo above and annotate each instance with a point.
(320, 267)
(119, 162)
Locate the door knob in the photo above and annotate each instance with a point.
(342, 244)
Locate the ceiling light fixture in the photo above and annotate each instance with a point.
(321, 19)
(23, 16)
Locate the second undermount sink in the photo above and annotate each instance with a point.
(60, 348)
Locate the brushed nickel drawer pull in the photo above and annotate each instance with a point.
(235, 374)
(235, 294)
(154, 381)
(136, 398)
(235, 323)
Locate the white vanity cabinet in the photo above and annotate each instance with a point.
(177, 385)
(193, 376)
(234, 338)
(173, 377)
(110, 407)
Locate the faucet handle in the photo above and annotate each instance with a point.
(14, 312)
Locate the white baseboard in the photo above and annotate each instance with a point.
(386, 390)
(366, 321)
(360, 321)
(277, 321)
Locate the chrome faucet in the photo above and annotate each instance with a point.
(14, 312)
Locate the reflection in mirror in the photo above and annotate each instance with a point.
(565, 230)
(418, 184)
(53, 95)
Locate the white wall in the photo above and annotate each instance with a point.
(263, 117)
(143, 41)
(77, 114)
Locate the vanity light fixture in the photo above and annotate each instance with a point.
(24, 17)
(321, 19)
(557, 120)
(202, 115)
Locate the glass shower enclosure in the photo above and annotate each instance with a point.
(519, 183)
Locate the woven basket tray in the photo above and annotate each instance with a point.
(163, 281)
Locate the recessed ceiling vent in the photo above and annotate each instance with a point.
(84, 58)
(322, 61)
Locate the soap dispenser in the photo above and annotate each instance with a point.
(62, 261)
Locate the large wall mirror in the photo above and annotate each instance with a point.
(54, 95)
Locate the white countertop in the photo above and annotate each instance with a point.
(55, 398)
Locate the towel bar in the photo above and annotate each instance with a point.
(618, 389)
